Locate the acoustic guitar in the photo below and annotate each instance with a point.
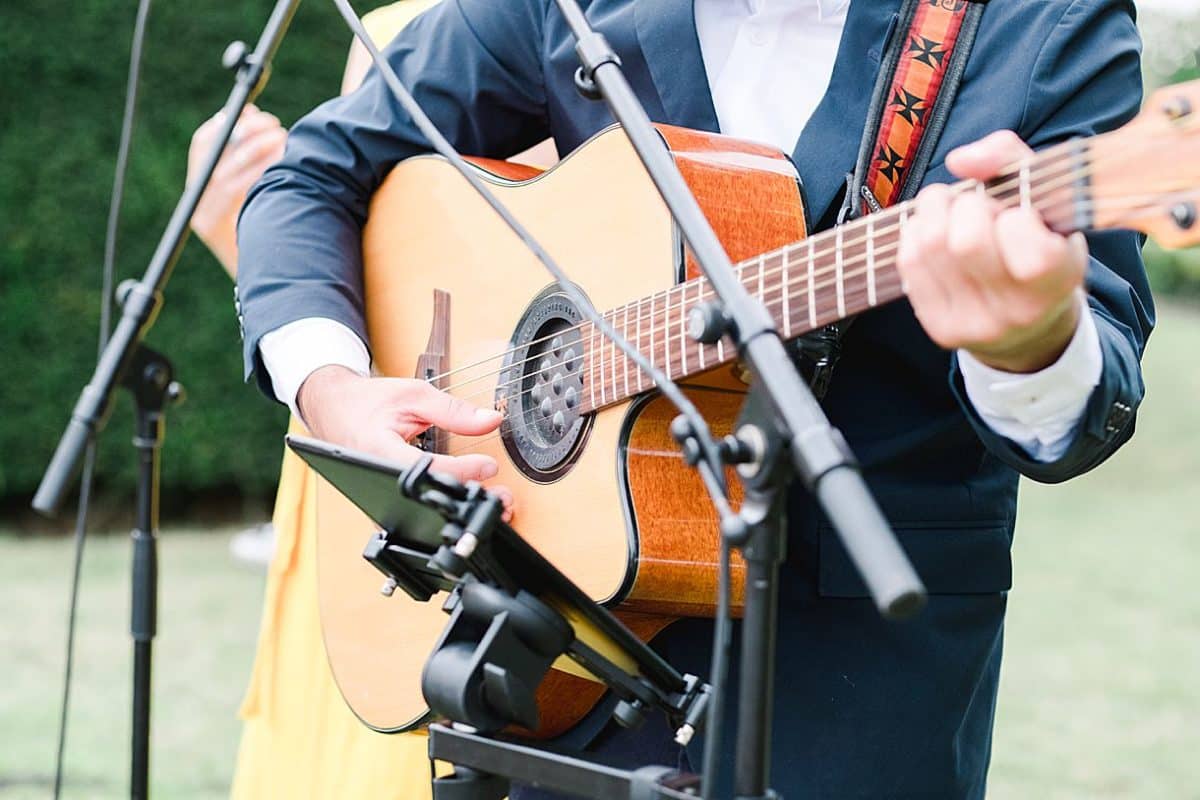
(600, 488)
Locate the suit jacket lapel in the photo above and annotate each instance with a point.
(666, 31)
(828, 145)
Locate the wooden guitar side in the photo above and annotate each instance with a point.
(629, 522)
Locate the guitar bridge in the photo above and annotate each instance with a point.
(433, 364)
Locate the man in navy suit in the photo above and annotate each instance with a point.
(1017, 353)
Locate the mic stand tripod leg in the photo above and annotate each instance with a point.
(149, 379)
(763, 553)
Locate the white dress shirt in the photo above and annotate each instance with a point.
(768, 64)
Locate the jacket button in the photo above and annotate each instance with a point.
(1118, 418)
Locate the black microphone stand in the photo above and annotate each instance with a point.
(781, 416)
(148, 375)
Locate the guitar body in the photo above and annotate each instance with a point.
(619, 511)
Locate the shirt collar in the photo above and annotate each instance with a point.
(825, 8)
(830, 7)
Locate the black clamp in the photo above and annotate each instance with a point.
(492, 657)
(594, 52)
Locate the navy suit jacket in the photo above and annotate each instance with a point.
(865, 708)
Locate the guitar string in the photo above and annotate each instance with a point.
(876, 229)
(671, 327)
(799, 289)
(1039, 164)
(890, 281)
(666, 325)
(1047, 161)
(660, 315)
(771, 299)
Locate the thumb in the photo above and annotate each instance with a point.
(987, 157)
(441, 410)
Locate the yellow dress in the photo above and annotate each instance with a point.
(299, 739)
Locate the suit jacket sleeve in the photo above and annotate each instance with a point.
(475, 68)
(1087, 80)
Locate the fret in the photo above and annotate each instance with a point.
(612, 348)
(762, 298)
(592, 370)
(841, 289)
(981, 189)
(1026, 200)
(721, 350)
(667, 333)
(683, 342)
(904, 215)
(638, 344)
(787, 294)
(700, 299)
(812, 293)
(599, 364)
(870, 260)
(651, 349)
(625, 358)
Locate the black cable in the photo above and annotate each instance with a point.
(106, 300)
(710, 463)
(718, 673)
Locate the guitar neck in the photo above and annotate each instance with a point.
(812, 283)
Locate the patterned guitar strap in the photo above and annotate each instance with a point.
(919, 75)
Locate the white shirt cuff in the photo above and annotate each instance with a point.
(1041, 410)
(294, 351)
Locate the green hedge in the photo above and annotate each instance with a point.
(65, 67)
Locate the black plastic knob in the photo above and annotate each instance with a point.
(235, 55)
(629, 715)
(707, 323)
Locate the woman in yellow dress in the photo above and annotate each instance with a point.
(299, 738)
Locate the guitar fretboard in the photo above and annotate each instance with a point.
(812, 283)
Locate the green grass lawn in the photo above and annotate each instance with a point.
(208, 618)
(1100, 691)
(1100, 695)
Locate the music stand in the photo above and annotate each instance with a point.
(512, 615)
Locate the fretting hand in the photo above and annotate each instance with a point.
(993, 281)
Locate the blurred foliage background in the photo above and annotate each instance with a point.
(59, 123)
(59, 126)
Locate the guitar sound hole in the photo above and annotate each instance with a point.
(541, 389)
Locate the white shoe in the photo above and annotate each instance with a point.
(254, 546)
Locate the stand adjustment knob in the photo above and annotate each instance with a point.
(707, 323)
(630, 715)
(234, 56)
